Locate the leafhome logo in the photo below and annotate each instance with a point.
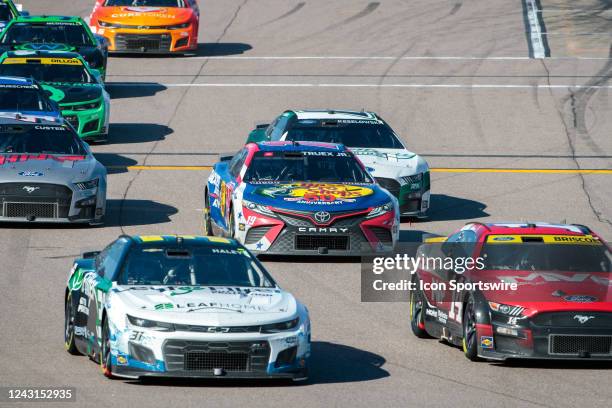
(322, 216)
(30, 189)
(583, 319)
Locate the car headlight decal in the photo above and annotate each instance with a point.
(150, 324)
(258, 208)
(88, 185)
(280, 327)
(380, 210)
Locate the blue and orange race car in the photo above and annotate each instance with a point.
(301, 198)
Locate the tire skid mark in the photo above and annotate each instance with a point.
(294, 10)
(369, 9)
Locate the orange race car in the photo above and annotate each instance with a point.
(147, 26)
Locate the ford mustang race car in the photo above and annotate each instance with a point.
(303, 198)
(539, 291)
(47, 174)
(402, 172)
(71, 82)
(56, 33)
(153, 26)
(184, 306)
(26, 97)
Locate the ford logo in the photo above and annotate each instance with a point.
(322, 216)
(30, 189)
(30, 174)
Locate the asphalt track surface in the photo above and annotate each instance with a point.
(454, 78)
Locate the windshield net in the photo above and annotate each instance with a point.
(275, 167)
(369, 134)
(48, 72)
(21, 99)
(39, 139)
(547, 257)
(63, 33)
(205, 266)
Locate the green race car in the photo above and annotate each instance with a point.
(71, 82)
(55, 33)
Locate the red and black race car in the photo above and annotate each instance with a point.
(540, 291)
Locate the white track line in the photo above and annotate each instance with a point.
(383, 58)
(306, 85)
(538, 45)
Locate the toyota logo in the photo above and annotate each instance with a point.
(322, 216)
(30, 189)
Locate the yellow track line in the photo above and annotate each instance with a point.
(433, 170)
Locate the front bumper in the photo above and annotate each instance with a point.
(562, 340)
(153, 41)
(91, 124)
(293, 234)
(144, 353)
(412, 192)
(51, 203)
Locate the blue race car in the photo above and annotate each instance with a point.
(24, 96)
(302, 198)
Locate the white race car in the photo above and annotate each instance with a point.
(184, 306)
(402, 172)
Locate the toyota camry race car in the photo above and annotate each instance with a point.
(147, 26)
(184, 306)
(301, 198)
(25, 96)
(47, 174)
(402, 172)
(56, 33)
(541, 291)
(77, 88)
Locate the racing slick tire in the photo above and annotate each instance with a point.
(231, 224)
(417, 320)
(469, 341)
(208, 231)
(105, 351)
(69, 327)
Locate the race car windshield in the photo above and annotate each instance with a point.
(46, 33)
(279, 167)
(39, 140)
(205, 266)
(373, 135)
(148, 3)
(547, 257)
(48, 72)
(22, 99)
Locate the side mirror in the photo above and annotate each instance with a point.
(90, 255)
(257, 135)
(225, 157)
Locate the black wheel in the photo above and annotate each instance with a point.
(69, 327)
(230, 224)
(105, 352)
(208, 231)
(470, 340)
(417, 319)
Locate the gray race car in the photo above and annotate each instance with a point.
(47, 174)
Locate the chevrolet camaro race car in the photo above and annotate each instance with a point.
(555, 301)
(303, 198)
(25, 96)
(56, 33)
(147, 26)
(184, 306)
(402, 172)
(77, 88)
(47, 174)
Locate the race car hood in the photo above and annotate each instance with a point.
(207, 306)
(144, 16)
(390, 163)
(552, 291)
(73, 93)
(307, 196)
(46, 168)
